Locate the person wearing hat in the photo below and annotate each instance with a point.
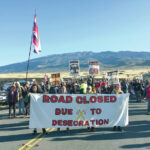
(19, 89)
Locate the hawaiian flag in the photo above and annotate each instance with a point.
(36, 39)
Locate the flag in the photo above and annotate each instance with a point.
(45, 78)
(36, 39)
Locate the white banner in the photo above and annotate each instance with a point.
(78, 110)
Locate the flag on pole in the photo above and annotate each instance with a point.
(45, 78)
(36, 39)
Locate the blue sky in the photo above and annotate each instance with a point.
(73, 25)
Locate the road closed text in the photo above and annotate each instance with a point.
(79, 99)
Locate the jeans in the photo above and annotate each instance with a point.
(14, 108)
(21, 106)
(138, 96)
(148, 106)
(27, 108)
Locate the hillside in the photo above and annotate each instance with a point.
(60, 62)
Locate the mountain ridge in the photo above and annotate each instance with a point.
(60, 62)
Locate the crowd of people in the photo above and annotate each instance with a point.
(20, 95)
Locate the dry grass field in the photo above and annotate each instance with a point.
(123, 74)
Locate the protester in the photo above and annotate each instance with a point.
(43, 87)
(91, 90)
(53, 90)
(26, 96)
(94, 89)
(20, 98)
(62, 90)
(104, 90)
(27, 104)
(47, 86)
(83, 87)
(98, 87)
(137, 90)
(124, 86)
(36, 89)
(70, 87)
(76, 88)
(117, 90)
(148, 97)
(12, 100)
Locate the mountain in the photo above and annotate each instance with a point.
(60, 62)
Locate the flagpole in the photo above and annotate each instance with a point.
(34, 29)
(29, 59)
(29, 54)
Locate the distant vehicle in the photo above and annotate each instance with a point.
(3, 97)
(23, 82)
(6, 86)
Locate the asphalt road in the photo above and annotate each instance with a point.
(15, 134)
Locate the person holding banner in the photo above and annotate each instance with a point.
(62, 90)
(148, 97)
(91, 90)
(36, 89)
(94, 89)
(43, 87)
(117, 90)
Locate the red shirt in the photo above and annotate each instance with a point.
(98, 85)
(148, 92)
(104, 84)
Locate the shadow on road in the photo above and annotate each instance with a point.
(18, 137)
(137, 112)
(15, 126)
(137, 146)
(136, 129)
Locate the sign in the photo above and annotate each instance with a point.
(94, 68)
(74, 68)
(72, 110)
(113, 77)
(55, 79)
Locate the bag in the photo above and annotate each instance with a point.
(27, 99)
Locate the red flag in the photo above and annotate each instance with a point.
(45, 78)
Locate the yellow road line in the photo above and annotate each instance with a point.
(27, 145)
(1, 106)
(21, 148)
(37, 141)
